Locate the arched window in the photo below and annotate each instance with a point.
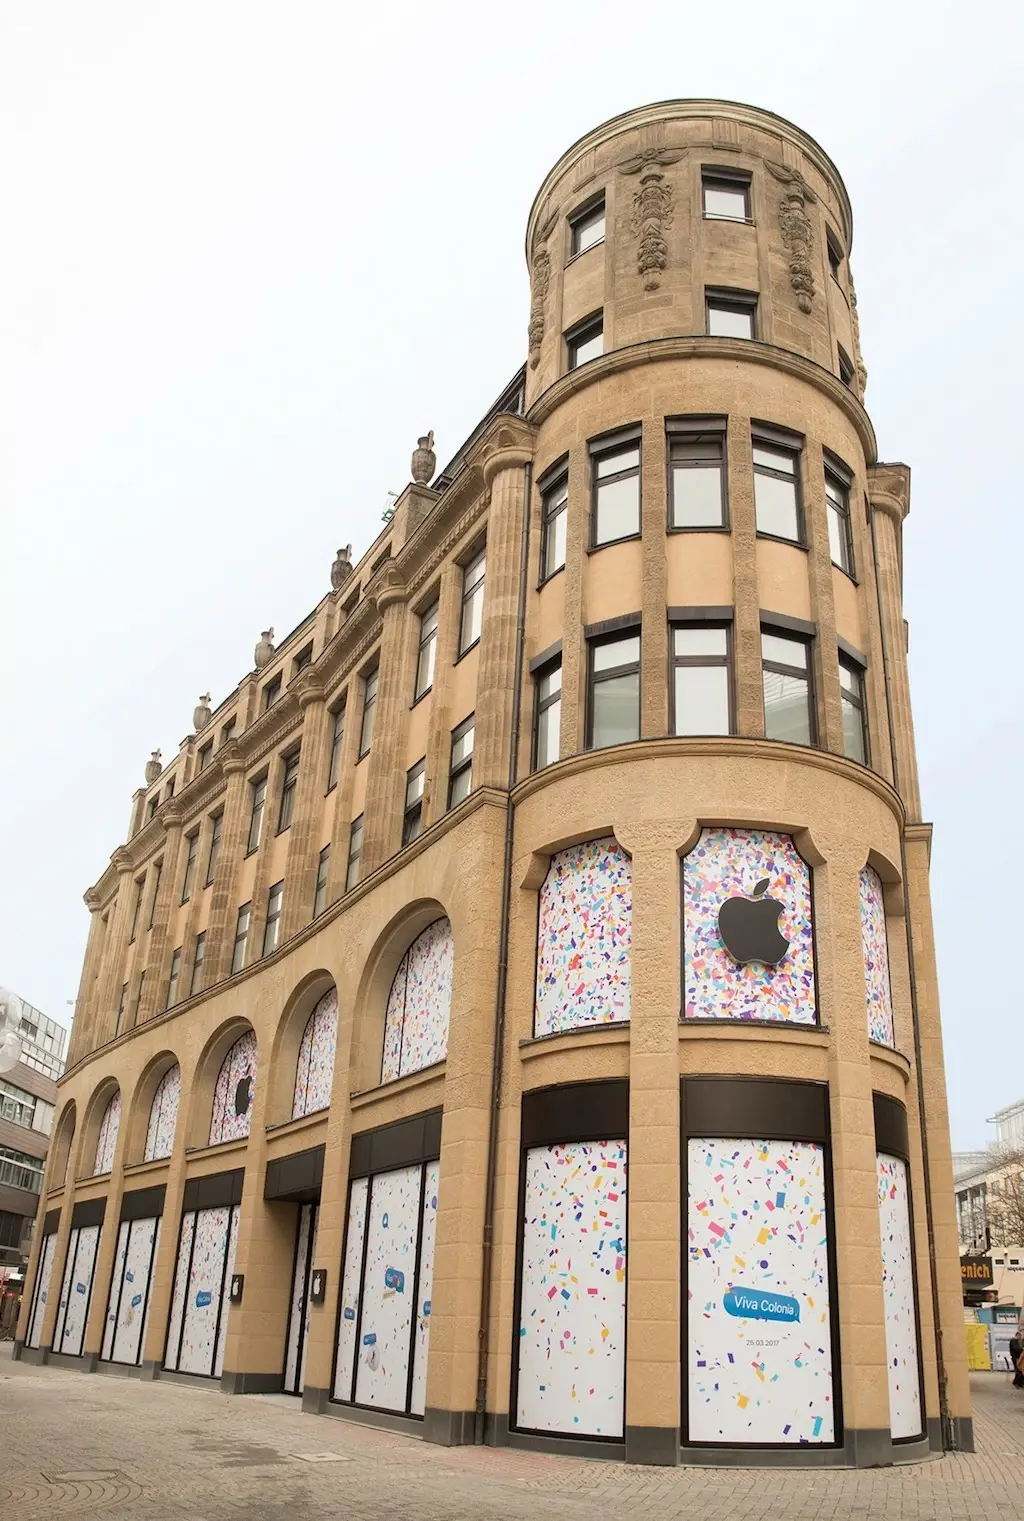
(584, 938)
(107, 1140)
(163, 1115)
(876, 958)
(419, 1004)
(314, 1071)
(232, 1097)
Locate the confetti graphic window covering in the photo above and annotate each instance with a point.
(727, 863)
(128, 1304)
(898, 1293)
(314, 1071)
(298, 1311)
(163, 1115)
(35, 1326)
(76, 1291)
(350, 1287)
(759, 1355)
(572, 1318)
(107, 1139)
(202, 1281)
(419, 1004)
(428, 1238)
(876, 959)
(233, 1095)
(584, 938)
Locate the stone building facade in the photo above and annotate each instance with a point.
(416, 964)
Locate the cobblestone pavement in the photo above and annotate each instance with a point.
(72, 1444)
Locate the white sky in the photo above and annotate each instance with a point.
(251, 250)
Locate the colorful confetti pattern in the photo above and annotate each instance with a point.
(428, 1239)
(163, 1115)
(349, 1318)
(419, 1004)
(876, 958)
(314, 1071)
(125, 1326)
(237, 1066)
(83, 1245)
(107, 1139)
(757, 1239)
(572, 1323)
(35, 1329)
(298, 1313)
(382, 1372)
(123, 1232)
(229, 1268)
(188, 1225)
(211, 1234)
(728, 863)
(898, 1294)
(584, 938)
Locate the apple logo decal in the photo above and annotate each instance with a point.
(243, 1095)
(749, 927)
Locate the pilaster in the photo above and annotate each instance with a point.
(889, 488)
(746, 629)
(117, 944)
(439, 732)
(505, 475)
(223, 907)
(385, 780)
(304, 839)
(159, 949)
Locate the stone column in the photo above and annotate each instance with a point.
(385, 782)
(261, 877)
(887, 513)
(504, 475)
(158, 951)
(85, 1003)
(304, 839)
(654, 649)
(110, 979)
(223, 908)
(574, 651)
(746, 629)
(341, 825)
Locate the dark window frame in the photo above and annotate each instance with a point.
(257, 805)
(782, 442)
(834, 254)
(203, 756)
(857, 700)
(727, 300)
(541, 705)
(195, 984)
(188, 880)
(138, 995)
(302, 659)
(241, 939)
(725, 177)
(289, 789)
(272, 923)
(839, 481)
(608, 446)
(369, 706)
(216, 831)
(470, 591)
(173, 979)
(467, 726)
(846, 366)
(227, 732)
(158, 871)
(412, 813)
(427, 641)
(337, 739)
(140, 891)
(582, 217)
(271, 693)
(800, 673)
(355, 832)
(581, 333)
(554, 504)
(617, 636)
(323, 866)
(718, 662)
(680, 430)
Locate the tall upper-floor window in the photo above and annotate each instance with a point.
(427, 652)
(731, 313)
(122, 1004)
(242, 923)
(157, 873)
(613, 699)
(547, 722)
(272, 928)
(587, 227)
(204, 754)
(196, 983)
(835, 254)
(216, 829)
(701, 684)
(323, 866)
(777, 502)
(615, 488)
(585, 341)
(139, 992)
(725, 195)
(472, 619)
(460, 776)
(696, 472)
(337, 735)
(554, 510)
(289, 787)
(173, 979)
(228, 731)
(271, 692)
(140, 888)
(258, 802)
(188, 881)
(788, 689)
(370, 683)
(851, 694)
(355, 852)
(846, 369)
(840, 534)
(412, 818)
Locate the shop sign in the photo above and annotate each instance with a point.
(976, 1272)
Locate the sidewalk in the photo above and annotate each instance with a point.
(73, 1444)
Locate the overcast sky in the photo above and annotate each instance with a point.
(251, 250)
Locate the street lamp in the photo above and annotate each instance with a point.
(10, 1040)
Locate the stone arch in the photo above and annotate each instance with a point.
(288, 1041)
(140, 1108)
(379, 972)
(60, 1146)
(204, 1081)
(96, 1127)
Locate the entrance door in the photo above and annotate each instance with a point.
(298, 1314)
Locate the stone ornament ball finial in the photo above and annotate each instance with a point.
(342, 567)
(154, 766)
(202, 713)
(424, 460)
(264, 651)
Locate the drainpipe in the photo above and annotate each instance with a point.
(502, 988)
(948, 1429)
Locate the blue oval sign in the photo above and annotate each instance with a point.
(760, 1304)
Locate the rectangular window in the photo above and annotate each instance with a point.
(140, 888)
(302, 659)
(472, 619)
(835, 254)
(272, 928)
(122, 1001)
(851, 693)
(322, 868)
(412, 820)
(205, 751)
(731, 314)
(613, 707)
(554, 507)
(337, 735)
(216, 826)
(845, 366)
(259, 802)
(192, 843)
(169, 792)
(840, 538)
(228, 731)
(547, 722)
(241, 937)
(702, 689)
(786, 675)
(584, 342)
(271, 692)
(614, 492)
(154, 804)
(427, 653)
(777, 504)
(157, 873)
(172, 981)
(196, 984)
(460, 776)
(587, 227)
(355, 852)
(370, 683)
(696, 463)
(726, 196)
(289, 786)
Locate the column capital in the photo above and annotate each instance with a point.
(91, 899)
(511, 457)
(388, 587)
(231, 759)
(172, 818)
(122, 862)
(309, 688)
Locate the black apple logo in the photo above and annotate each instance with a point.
(749, 927)
(243, 1095)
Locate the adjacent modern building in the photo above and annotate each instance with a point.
(512, 1015)
(990, 1214)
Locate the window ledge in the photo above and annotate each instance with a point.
(140, 1169)
(777, 538)
(547, 580)
(574, 258)
(628, 538)
(847, 573)
(217, 1148)
(419, 1079)
(417, 700)
(891, 1057)
(784, 1030)
(614, 1033)
(700, 528)
(298, 1123)
(467, 651)
(709, 216)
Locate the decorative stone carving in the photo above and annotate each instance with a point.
(154, 766)
(797, 232)
(652, 210)
(858, 358)
(342, 567)
(387, 587)
(264, 651)
(424, 460)
(663, 157)
(202, 713)
(540, 278)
